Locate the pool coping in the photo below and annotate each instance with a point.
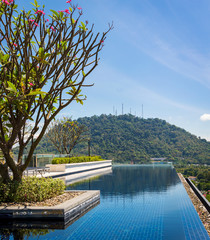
(202, 212)
(199, 195)
(65, 212)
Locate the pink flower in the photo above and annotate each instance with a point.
(15, 44)
(66, 11)
(31, 84)
(6, 2)
(101, 41)
(52, 28)
(79, 8)
(31, 20)
(47, 20)
(36, 24)
(68, 1)
(39, 11)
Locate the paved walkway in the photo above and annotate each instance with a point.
(69, 176)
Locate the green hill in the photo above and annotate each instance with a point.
(126, 138)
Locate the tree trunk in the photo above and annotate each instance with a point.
(17, 175)
(5, 173)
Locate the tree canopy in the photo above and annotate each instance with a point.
(44, 61)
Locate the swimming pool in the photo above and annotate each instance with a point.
(137, 202)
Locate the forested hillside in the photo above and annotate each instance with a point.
(127, 138)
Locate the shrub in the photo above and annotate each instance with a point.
(208, 197)
(31, 189)
(81, 159)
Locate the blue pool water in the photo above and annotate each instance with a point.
(137, 202)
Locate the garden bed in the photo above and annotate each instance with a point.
(62, 209)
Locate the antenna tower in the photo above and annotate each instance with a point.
(142, 109)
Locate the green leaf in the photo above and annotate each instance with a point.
(83, 73)
(83, 25)
(46, 55)
(79, 101)
(5, 57)
(6, 137)
(33, 4)
(61, 14)
(36, 92)
(33, 43)
(41, 52)
(11, 87)
(37, 58)
(56, 13)
(45, 62)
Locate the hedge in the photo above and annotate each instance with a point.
(65, 160)
(31, 189)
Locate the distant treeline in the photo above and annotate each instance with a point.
(129, 138)
(202, 174)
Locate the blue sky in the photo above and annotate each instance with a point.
(158, 55)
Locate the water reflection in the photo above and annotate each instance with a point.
(20, 234)
(132, 180)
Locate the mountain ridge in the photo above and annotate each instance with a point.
(127, 138)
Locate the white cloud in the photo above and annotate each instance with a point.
(205, 117)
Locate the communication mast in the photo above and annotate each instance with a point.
(142, 110)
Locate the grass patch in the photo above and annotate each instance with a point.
(31, 189)
(65, 160)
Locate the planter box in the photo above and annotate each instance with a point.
(61, 214)
(56, 167)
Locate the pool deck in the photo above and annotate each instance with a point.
(70, 177)
(75, 172)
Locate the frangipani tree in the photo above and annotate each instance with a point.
(44, 62)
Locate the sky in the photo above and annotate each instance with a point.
(157, 56)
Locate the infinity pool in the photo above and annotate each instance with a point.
(137, 202)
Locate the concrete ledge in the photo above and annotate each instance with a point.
(65, 212)
(78, 167)
(57, 167)
(199, 195)
(73, 178)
